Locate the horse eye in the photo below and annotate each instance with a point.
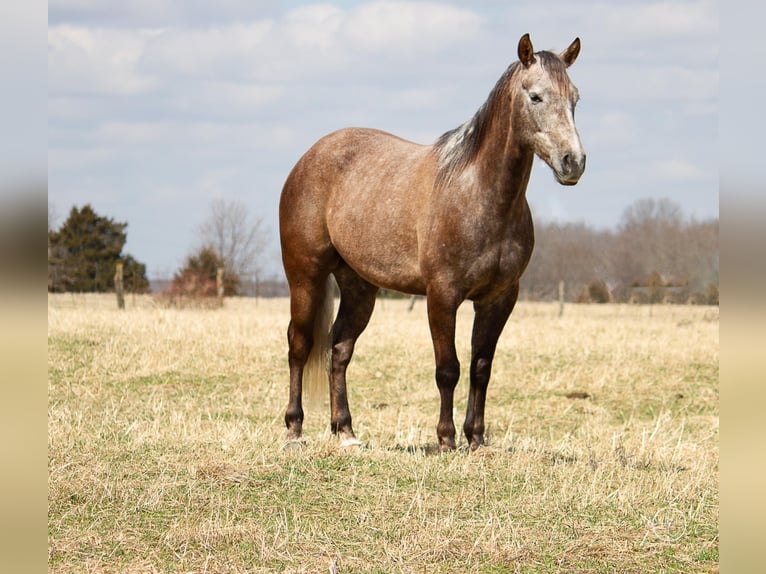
(535, 97)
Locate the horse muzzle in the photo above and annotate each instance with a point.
(572, 167)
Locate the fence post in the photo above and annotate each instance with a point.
(118, 286)
(219, 285)
(411, 306)
(561, 298)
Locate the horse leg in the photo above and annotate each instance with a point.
(357, 301)
(305, 298)
(441, 320)
(489, 320)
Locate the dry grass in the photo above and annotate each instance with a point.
(165, 432)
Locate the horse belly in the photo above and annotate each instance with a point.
(378, 240)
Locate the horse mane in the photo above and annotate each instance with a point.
(456, 149)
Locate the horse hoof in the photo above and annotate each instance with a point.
(351, 443)
(294, 444)
(447, 446)
(476, 445)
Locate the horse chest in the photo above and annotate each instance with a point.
(502, 261)
(479, 260)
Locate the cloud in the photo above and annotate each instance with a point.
(416, 98)
(156, 139)
(133, 133)
(613, 128)
(69, 108)
(661, 20)
(405, 27)
(82, 60)
(649, 82)
(241, 96)
(220, 52)
(315, 26)
(626, 32)
(678, 82)
(311, 40)
(682, 169)
(77, 158)
(156, 13)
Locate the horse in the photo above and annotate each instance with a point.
(366, 209)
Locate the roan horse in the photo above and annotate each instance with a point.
(449, 221)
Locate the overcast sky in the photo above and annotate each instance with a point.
(157, 106)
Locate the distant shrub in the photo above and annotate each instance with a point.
(639, 298)
(595, 292)
(696, 299)
(598, 292)
(195, 284)
(189, 289)
(711, 294)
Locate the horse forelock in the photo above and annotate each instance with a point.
(557, 71)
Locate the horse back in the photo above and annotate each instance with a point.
(358, 193)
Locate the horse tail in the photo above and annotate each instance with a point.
(316, 372)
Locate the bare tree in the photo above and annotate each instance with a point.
(653, 245)
(651, 240)
(569, 252)
(53, 217)
(701, 248)
(661, 211)
(237, 238)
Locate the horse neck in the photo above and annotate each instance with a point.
(504, 164)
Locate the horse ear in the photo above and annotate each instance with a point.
(570, 54)
(526, 52)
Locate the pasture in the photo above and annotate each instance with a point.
(165, 430)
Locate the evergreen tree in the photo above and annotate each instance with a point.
(134, 274)
(82, 254)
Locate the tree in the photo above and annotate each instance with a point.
(237, 239)
(53, 216)
(653, 252)
(134, 275)
(701, 261)
(82, 254)
(197, 277)
(571, 252)
(650, 240)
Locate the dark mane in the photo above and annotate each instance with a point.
(457, 148)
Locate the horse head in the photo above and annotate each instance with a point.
(544, 102)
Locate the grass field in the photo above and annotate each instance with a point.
(165, 433)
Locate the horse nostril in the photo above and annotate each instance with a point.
(566, 162)
(571, 165)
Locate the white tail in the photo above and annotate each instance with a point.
(316, 373)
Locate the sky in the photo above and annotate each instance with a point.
(156, 107)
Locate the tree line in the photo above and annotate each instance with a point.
(655, 254)
(84, 251)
